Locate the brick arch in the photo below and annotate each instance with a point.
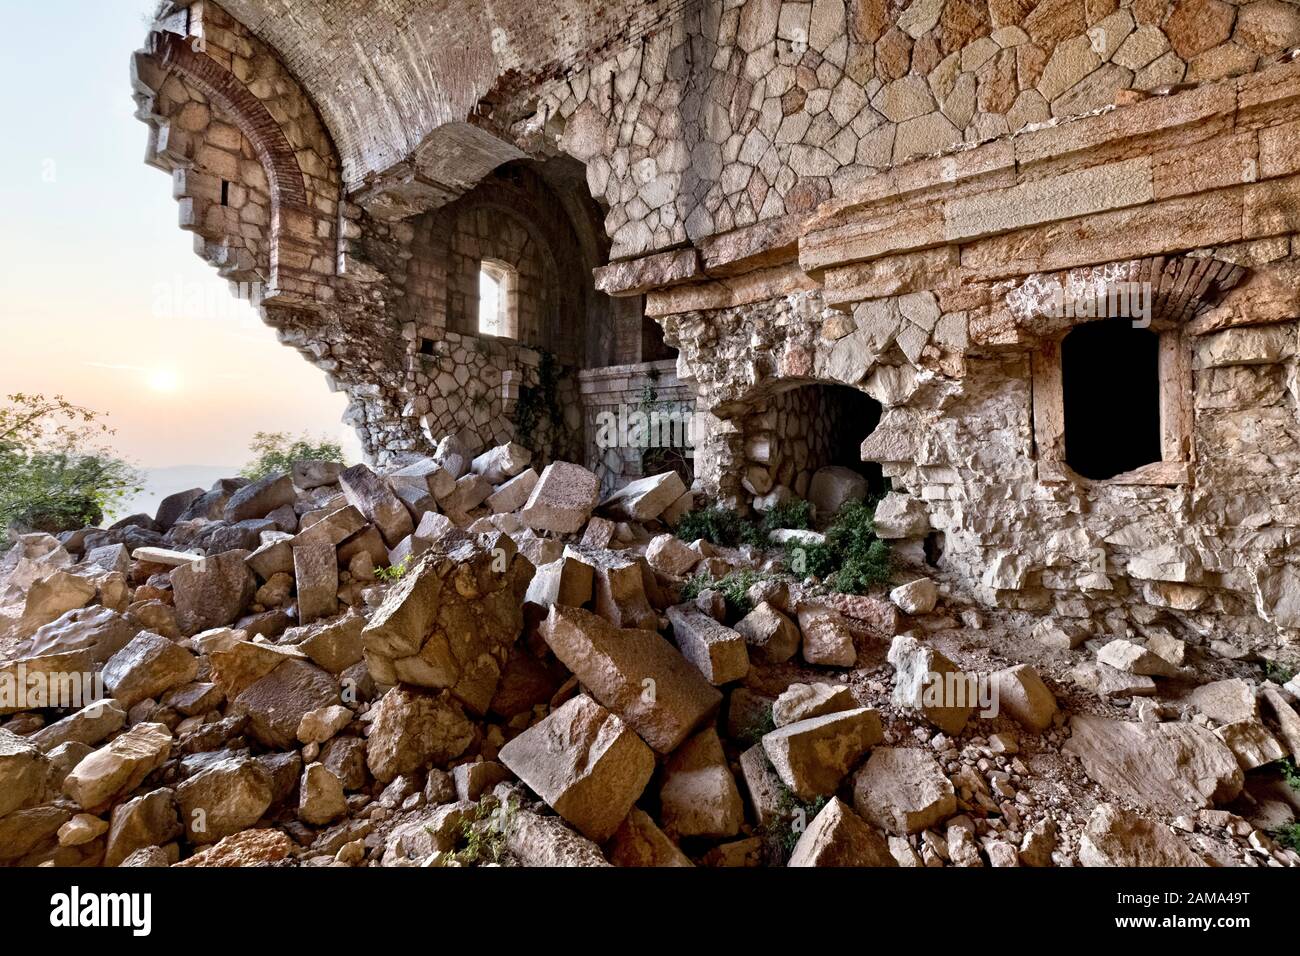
(288, 188)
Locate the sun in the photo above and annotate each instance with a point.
(164, 380)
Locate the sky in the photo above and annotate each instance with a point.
(102, 299)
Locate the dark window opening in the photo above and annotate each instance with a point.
(852, 415)
(1110, 379)
(933, 546)
(426, 346)
(225, 193)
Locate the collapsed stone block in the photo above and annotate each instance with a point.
(812, 756)
(717, 650)
(563, 499)
(370, 495)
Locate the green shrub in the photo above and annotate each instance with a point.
(277, 451)
(714, 524)
(734, 588)
(55, 473)
(794, 513)
(1288, 836)
(852, 558)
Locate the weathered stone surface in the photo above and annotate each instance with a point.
(1022, 696)
(318, 726)
(839, 837)
(100, 631)
(411, 729)
(827, 639)
(316, 575)
(1251, 743)
(370, 495)
(640, 842)
(834, 485)
(259, 499)
(926, 681)
(670, 555)
(619, 586)
(1107, 682)
(717, 650)
(1135, 659)
(1226, 700)
(334, 645)
(513, 494)
(119, 767)
(585, 763)
(566, 581)
(309, 474)
(698, 796)
(320, 796)
(22, 772)
(644, 499)
(450, 621)
(502, 462)
(562, 499)
(1117, 837)
(636, 674)
(227, 796)
(771, 636)
(260, 847)
(537, 840)
(147, 667)
(472, 780)
(51, 597)
(812, 756)
(151, 819)
(903, 791)
(213, 592)
(276, 703)
(90, 725)
(802, 701)
(915, 597)
(1170, 768)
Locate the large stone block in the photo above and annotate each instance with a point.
(635, 673)
(370, 495)
(213, 592)
(644, 499)
(450, 621)
(586, 763)
(812, 756)
(718, 651)
(563, 499)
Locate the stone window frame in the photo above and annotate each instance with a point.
(1182, 288)
(1174, 371)
(506, 278)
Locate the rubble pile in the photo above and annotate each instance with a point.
(464, 660)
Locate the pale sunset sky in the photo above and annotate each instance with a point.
(102, 298)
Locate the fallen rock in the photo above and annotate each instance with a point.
(717, 650)
(23, 769)
(320, 796)
(916, 597)
(119, 767)
(228, 795)
(772, 637)
(250, 848)
(1226, 701)
(1110, 684)
(566, 581)
(587, 765)
(831, 487)
(536, 840)
(472, 780)
(1135, 659)
(927, 682)
(1251, 743)
(827, 639)
(803, 701)
(698, 796)
(92, 724)
(903, 790)
(370, 495)
(147, 667)
(450, 621)
(410, 729)
(644, 499)
(213, 592)
(839, 837)
(504, 461)
(259, 499)
(812, 756)
(53, 596)
(1022, 696)
(316, 575)
(1171, 768)
(99, 631)
(514, 494)
(276, 703)
(640, 842)
(562, 499)
(334, 645)
(1117, 837)
(670, 555)
(619, 585)
(152, 819)
(318, 726)
(635, 673)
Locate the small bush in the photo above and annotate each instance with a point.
(277, 451)
(794, 513)
(1288, 836)
(394, 573)
(1289, 773)
(724, 527)
(851, 559)
(734, 588)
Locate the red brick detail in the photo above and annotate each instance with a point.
(263, 132)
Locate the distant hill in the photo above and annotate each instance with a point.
(161, 482)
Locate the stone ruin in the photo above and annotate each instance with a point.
(1020, 272)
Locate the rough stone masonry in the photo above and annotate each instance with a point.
(874, 248)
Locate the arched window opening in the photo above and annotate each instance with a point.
(498, 299)
(1110, 372)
